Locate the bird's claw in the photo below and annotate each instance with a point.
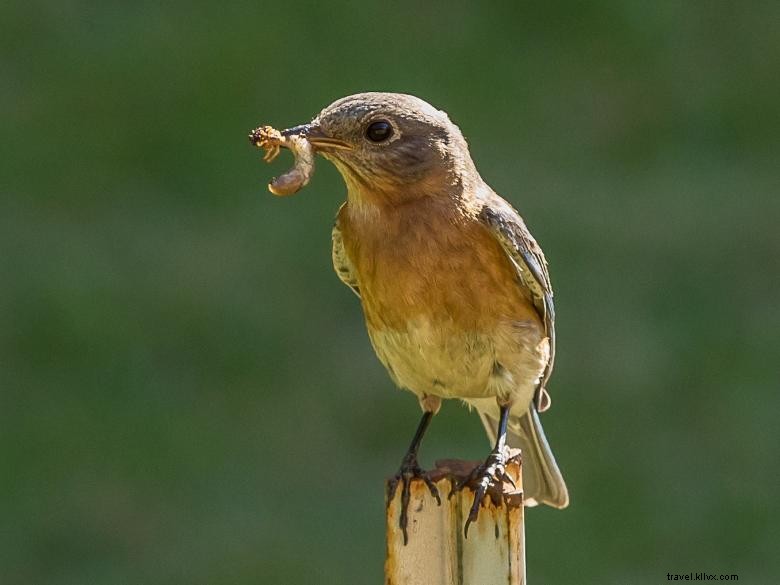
(409, 471)
(489, 474)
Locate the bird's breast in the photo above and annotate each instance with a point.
(443, 305)
(434, 265)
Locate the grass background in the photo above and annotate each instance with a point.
(187, 393)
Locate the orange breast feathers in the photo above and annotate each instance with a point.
(432, 260)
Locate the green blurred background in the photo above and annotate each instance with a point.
(187, 393)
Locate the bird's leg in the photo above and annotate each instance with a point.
(410, 469)
(492, 471)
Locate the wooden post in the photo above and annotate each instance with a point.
(437, 552)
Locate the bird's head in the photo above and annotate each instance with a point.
(391, 147)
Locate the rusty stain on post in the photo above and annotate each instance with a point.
(438, 553)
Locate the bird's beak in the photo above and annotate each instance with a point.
(317, 138)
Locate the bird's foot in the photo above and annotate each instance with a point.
(491, 473)
(409, 471)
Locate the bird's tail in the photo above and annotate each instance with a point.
(542, 479)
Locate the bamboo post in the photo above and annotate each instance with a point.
(437, 552)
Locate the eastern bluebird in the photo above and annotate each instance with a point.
(455, 290)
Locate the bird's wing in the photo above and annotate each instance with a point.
(341, 263)
(509, 229)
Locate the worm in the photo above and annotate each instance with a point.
(271, 140)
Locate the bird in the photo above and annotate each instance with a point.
(455, 290)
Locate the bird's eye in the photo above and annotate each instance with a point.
(379, 131)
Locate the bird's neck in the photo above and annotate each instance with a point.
(452, 202)
(455, 190)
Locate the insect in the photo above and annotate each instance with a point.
(272, 141)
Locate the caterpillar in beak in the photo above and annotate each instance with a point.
(272, 141)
